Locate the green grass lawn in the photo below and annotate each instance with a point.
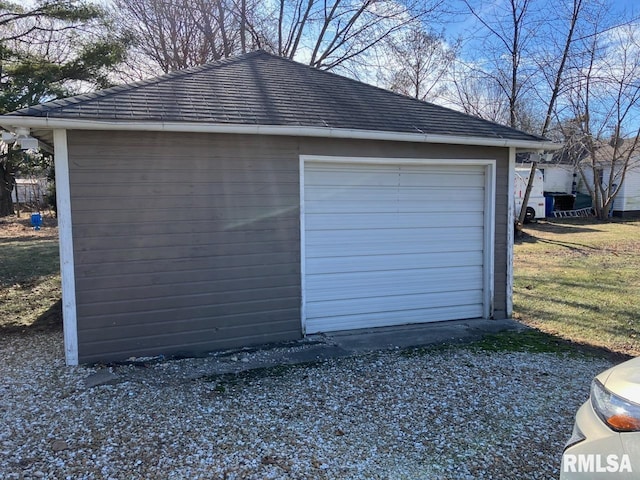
(29, 275)
(580, 280)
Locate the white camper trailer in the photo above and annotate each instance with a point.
(536, 204)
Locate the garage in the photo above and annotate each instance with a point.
(392, 242)
(255, 200)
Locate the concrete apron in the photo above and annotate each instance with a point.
(311, 349)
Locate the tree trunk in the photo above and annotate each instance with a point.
(7, 184)
(527, 193)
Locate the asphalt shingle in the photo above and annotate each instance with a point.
(262, 89)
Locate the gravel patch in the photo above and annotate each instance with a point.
(438, 414)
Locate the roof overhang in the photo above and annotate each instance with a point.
(50, 124)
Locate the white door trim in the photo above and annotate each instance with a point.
(489, 217)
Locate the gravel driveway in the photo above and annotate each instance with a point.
(439, 414)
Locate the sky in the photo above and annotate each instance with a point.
(469, 25)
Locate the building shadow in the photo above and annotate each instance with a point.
(49, 321)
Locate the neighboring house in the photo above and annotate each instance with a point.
(563, 176)
(257, 200)
(627, 202)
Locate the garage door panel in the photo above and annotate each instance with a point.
(416, 281)
(459, 181)
(417, 240)
(406, 262)
(331, 221)
(390, 167)
(334, 251)
(392, 244)
(391, 303)
(400, 236)
(386, 319)
(404, 206)
(474, 196)
(359, 177)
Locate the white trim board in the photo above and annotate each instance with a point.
(303, 270)
(510, 229)
(65, 234)
(10, 122)
(489, 218)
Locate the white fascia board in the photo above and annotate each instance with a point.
(67, 271)
(11, 122)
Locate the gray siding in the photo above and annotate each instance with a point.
(186, 243)
(183, 243)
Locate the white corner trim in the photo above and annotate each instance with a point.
(510, 227)
(67, 272)
(11, 122)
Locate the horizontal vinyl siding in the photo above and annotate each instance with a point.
(187, 243)
(183, 243)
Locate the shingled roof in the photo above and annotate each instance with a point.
(262, 89)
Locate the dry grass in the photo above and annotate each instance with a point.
(580, 280)
(29, 275)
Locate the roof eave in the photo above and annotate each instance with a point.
(9, 122)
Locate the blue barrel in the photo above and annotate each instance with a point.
(549, 204)
(36, 221)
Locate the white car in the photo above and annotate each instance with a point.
(606, 435)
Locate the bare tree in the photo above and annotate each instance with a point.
(176, 34)
(605, 101)
(525, 52)
(164, 32)
(417, 63)
(476, 94)
(510, 31)
(328, 33)
(553, 63)
(535, 48)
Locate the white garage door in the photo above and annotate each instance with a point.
(389, 244)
